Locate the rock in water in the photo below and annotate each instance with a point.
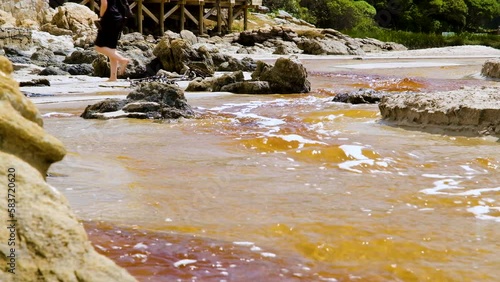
(287, 75)
(471, 111)
(491, 68)
(47, 242)
(153, 100)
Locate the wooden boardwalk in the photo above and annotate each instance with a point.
(184, 12)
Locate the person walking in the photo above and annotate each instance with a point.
(112, 21)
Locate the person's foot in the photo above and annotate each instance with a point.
(111, 80)
(122, 66)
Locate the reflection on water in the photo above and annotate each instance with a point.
(323, 191)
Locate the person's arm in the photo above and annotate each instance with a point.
(104, 7)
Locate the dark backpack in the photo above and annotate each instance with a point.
(124, 8)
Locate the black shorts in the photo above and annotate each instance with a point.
(109, 33)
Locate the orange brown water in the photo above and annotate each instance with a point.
(309, 189)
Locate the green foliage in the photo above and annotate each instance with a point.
(291, 6)
(340, 14)
(425, 17)
(481, 12)
(436, 15)
(418, 40)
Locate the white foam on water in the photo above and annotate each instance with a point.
(477, 192)
(268, 255)
(469, 170)
(255, 249)
(261, 120)
(243, 243)
(439, 176)
(295, 137)
(57, 114)
(354, 151)
(140, 246)
(348, 165)
(440, 185)
(184, 262)
(482, 212)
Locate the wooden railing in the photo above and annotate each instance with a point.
(195, 11)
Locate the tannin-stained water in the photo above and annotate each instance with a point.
(286, 188)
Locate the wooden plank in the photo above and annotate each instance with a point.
(169, 13)
(190, 16)
(151, 15)
(230, 17)
(219, 17)
(245, 17)
(209, 13)
(201, 21)
(162, 17)
(139, 15)
(183, 15)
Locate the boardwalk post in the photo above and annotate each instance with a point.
(201, 19)
(139, 15)
(245, 16)
(219, 17)
(230, 17)
(183, 14)
(162, 17)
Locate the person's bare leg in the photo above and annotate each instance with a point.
(113, 69)
(122, 62)
(115, 59)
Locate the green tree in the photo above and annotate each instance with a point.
(340, 14)
(481, 12)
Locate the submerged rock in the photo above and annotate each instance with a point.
(472, 111)
(248, 87)
(47, 242)
(152, 100)
(288, 75)
(491, 68)
(361, 96)
(215, 84)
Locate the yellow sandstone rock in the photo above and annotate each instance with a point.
(42, 240)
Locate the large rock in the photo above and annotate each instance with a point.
(248, 87)
(6, 19)
(28, 13)
(179, 56)
(19, 38)
(46, 242)
(471, 111)
(288, 75)
(79, 19)
(153, 100)
(215, 84)
(62, 45)
(491, 68)
(361, 96)
(81, 57)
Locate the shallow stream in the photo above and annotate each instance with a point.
(289, 187)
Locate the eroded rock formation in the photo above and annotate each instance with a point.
(491, 68)
(469, 111)
(46, 243)
(151, 100)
